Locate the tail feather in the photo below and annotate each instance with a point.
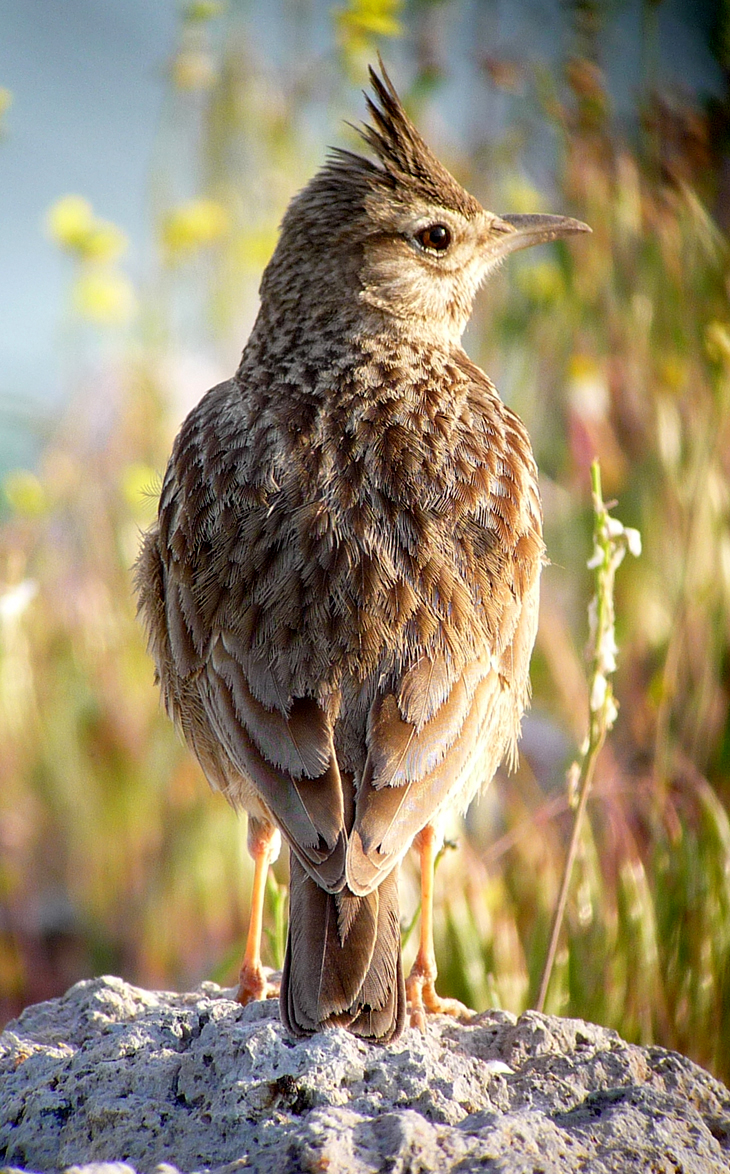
(382, 996)
(343, 964)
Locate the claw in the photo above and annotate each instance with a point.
(255, 983)
(422, 997)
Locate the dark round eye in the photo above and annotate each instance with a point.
(436, 237)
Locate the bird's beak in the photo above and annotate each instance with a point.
(517, 232)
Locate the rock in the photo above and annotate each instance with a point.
(111, 1079)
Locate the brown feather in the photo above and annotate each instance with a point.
(387, 819)
(423, 689)
(402, 751)
(310, 817)
(298, 741)
(351, 978)
(382, 997)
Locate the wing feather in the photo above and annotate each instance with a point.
(403, 751)
(387, 819)
(308, 811)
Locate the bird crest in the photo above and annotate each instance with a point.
(403, 158)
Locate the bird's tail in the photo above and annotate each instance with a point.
(343, 961)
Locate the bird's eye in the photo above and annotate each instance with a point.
(435, 238)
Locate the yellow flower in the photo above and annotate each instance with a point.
(25, 493)
(104, 296)
(360, 20)
(69, 222)
(72, 225)
(193, 225)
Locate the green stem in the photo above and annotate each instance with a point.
(584, 783)
(597, 726)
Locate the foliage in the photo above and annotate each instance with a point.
(112, 853)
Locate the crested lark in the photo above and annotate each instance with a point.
(341, 591)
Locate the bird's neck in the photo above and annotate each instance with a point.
(295, 343)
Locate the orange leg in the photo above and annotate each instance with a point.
(264, 842)
(420, 984)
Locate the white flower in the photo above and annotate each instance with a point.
(611, 712)
(633, 540)
(607, 650)
(598, 692)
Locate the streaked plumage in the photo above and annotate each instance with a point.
(341, 592)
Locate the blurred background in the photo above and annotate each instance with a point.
(147, 154)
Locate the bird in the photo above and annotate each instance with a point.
(341, 588)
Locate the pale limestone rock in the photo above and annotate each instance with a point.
(111, 1079)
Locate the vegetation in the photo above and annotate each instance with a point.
(113, 855)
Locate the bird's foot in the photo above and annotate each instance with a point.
(422, 998)
(255, 982)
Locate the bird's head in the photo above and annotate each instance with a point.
(397, 232)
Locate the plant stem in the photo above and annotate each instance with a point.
(585, 782)
(611, 540)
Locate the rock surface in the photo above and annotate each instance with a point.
(111, 1079)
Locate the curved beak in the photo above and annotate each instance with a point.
(517, 232)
